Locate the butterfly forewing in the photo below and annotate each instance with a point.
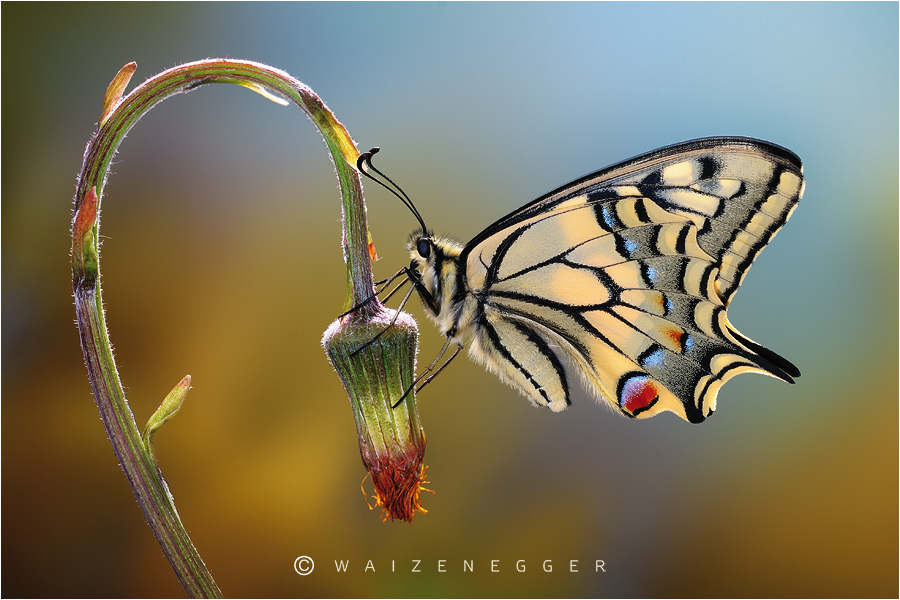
(626, 275)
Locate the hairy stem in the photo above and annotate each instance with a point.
(120, 113)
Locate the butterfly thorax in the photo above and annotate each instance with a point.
(442, 283)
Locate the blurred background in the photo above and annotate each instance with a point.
(221, 258)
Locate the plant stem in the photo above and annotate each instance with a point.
(119, 115)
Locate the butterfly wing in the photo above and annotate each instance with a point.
(627, 273)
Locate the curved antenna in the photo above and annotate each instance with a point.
(364, 163)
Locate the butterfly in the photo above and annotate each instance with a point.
(622, 277)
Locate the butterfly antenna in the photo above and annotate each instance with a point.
(364, 164)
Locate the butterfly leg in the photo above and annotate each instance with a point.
(436, 373)
(399, 285)
(389, 325)
(386, 283)
(412, 276)
(430, 368)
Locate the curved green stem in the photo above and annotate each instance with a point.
(119, 115)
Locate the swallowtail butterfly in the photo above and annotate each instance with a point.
(623, 276)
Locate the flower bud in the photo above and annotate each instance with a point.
(376, 361)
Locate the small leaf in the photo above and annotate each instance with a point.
(84, 256)
(116, 89)
(86, 215)
(372, 254)
(168, 409)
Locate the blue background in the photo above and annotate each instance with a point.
(221, 259)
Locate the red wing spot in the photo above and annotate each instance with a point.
(677, 335)
(638, 395)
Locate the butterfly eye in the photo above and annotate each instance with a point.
(423, 247)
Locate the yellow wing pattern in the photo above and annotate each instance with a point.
(626, 274)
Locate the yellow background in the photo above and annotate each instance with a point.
(221, 259)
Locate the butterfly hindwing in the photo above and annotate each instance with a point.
(626, 275)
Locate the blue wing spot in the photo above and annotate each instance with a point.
(688, 344)
(670, 306)
(631, 246)
(654, 360)
(609, 218)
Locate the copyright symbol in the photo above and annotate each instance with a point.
(304, 565)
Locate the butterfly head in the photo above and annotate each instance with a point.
(422, 248)
(435, 259)
(427, 251)
(421, 244)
